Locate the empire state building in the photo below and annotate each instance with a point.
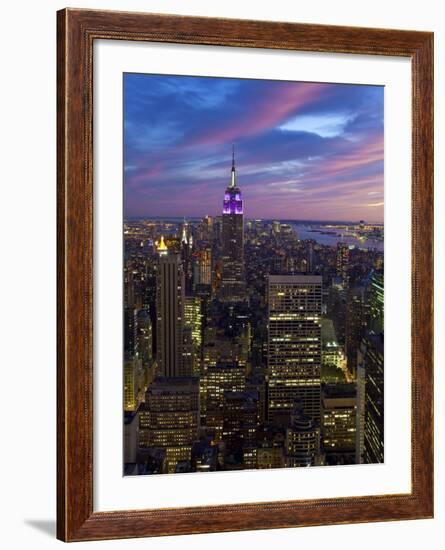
(232, 253)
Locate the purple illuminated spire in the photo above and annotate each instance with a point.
(233, 202)
(233, 182)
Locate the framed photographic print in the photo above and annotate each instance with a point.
(245, 210)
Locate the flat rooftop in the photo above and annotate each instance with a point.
(295, 279)
(173, 383)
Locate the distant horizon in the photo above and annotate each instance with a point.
(267, 219)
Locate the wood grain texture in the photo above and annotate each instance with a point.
(76, 32)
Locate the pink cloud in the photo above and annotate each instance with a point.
(144, 174)
(366, 153)
(265, 113)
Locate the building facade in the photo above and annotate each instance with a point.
(205, 267)
(338, 431)
(343, 263)
(193, 322)
(302, 446)
(232, 243)
(169, 312)
(169, 418)
(219, 379)
(376, 301)
(294, 346)
(372, 360)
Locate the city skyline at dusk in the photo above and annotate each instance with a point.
(251, 340)
(304, 151)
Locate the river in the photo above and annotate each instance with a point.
(319, 235)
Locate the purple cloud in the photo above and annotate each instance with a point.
(304, 150)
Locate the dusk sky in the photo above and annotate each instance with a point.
(303, 150)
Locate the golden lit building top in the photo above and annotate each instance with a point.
(162, 247)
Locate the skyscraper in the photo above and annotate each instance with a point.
(131, 332)
(294, 349)
(169, 418)
(133, 383)
(186, 256)
(276, 227)
(376, 301)
(144, 337)
(188, 352)
(169, 312)
(338, 429)
(302, 446)
(342, 263)
(128, 285)
(370, 380)
(355, 325)
(193, 321)
(360, 412)
(221, 378)
(205, 267)
(373, 437)
(332, 356)
(232, 249)
(241, 420)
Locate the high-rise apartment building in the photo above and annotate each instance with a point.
(294, 347)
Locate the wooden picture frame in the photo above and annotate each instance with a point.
(77, 31)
